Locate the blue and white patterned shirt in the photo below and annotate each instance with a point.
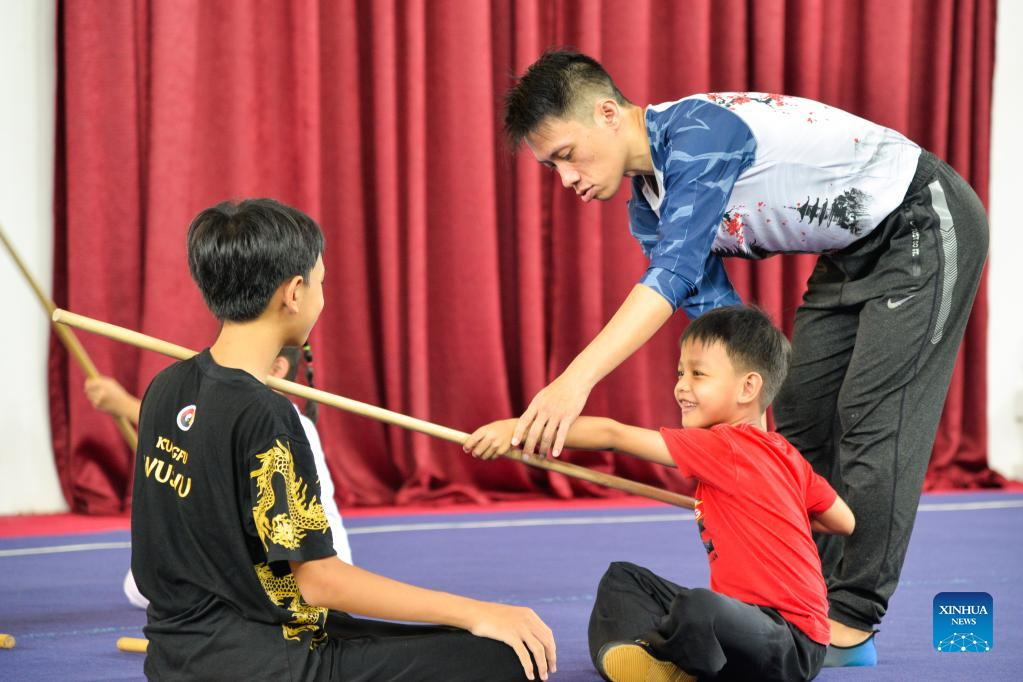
(753, 174)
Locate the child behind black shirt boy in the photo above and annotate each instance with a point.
(232, 547)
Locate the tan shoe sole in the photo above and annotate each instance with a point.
(633, 663)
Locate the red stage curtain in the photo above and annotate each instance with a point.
(460, 279)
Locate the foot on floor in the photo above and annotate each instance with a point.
(863, 654)
(633, 662)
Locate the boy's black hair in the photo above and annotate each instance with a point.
(239, 254)
(556, 85)
(751, 340)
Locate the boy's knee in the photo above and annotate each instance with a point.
(621, 568)
(618, 585)
(618, 573)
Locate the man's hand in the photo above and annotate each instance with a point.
(491, 440)
(546, 421)
(521, 629)
(107, 395)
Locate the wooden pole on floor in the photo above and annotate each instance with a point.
(133, 645)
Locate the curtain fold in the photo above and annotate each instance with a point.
(460, 278)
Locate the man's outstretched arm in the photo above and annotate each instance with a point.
(544, 425)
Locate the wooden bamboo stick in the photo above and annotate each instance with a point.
(64, 317)
(66, 336)
(133, 645)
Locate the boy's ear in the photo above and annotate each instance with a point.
(752, 384)
(291, 292)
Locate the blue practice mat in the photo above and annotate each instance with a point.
(61, 595)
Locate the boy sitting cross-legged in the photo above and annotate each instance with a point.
(230, 542)
(765, 614)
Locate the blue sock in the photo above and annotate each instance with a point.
(863, 654)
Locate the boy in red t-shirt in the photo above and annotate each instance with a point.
(765, 615)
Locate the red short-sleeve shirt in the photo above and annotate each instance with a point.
(756, 493)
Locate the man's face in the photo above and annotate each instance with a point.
(589, 154)
(708, 387)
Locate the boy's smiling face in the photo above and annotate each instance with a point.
(710, 390)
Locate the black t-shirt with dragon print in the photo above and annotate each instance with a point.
(225, 494)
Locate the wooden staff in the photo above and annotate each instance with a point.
(134, 338)
(134, 645)
(67, 337)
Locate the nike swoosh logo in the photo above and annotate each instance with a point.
(892, 305)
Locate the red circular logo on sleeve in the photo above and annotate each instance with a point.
(186, 417)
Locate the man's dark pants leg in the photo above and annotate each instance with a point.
(874, 346)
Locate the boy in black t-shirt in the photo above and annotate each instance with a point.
(231, 544)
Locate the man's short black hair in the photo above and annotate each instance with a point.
(558, 84)
(239, 254)
(751, 340)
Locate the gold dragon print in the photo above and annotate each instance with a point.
(287, 528)
(283, 591)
